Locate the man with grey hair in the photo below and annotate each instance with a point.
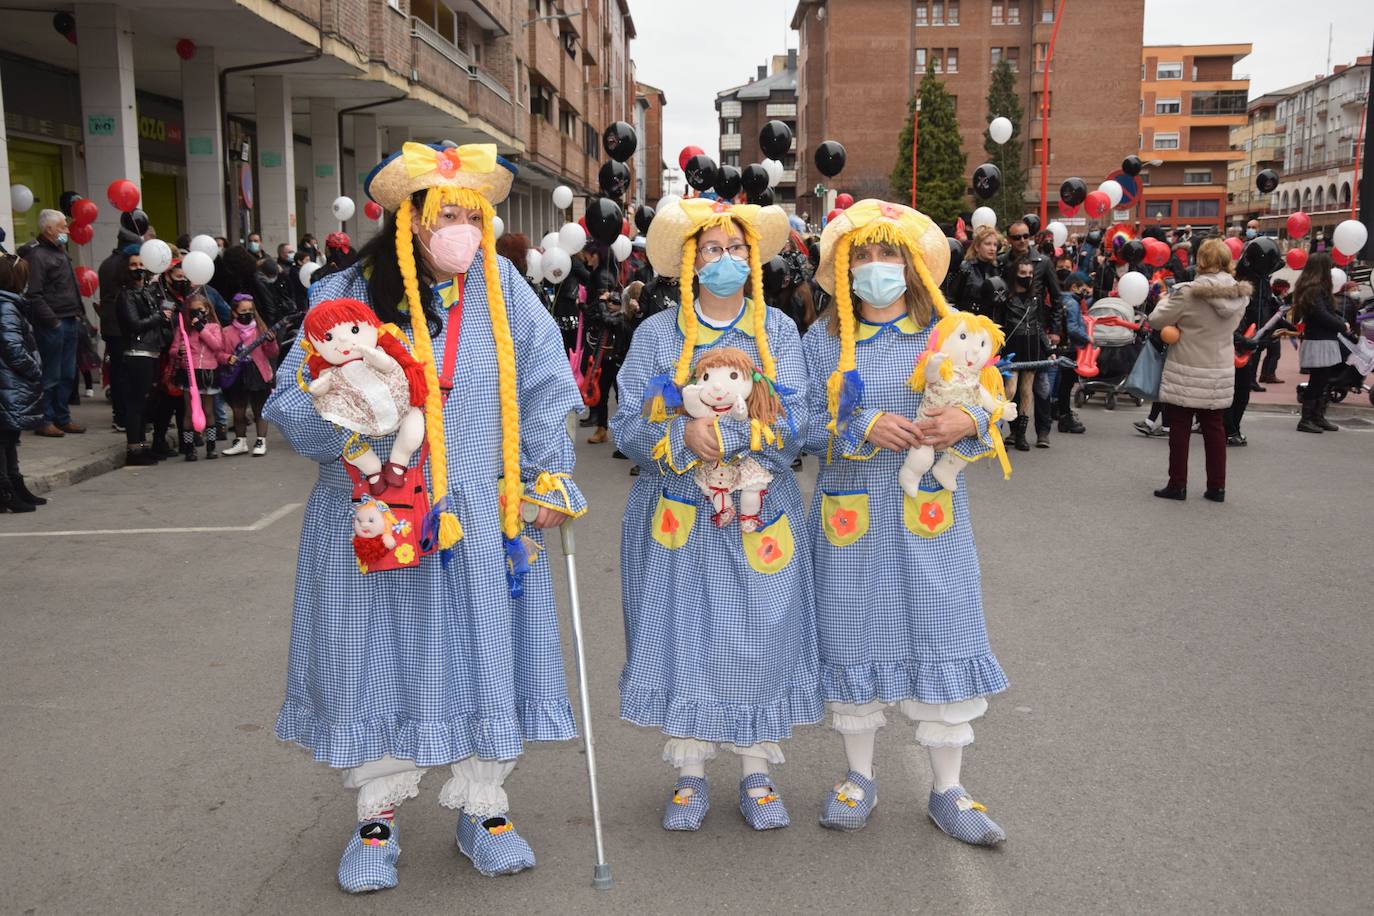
(52, 283)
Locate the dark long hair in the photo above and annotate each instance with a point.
(1314, 285)
(384, 284)
(124, 276)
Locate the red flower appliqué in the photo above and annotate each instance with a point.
(769, 551)
(843, 521)
(932, 515)
(669, 525)
(890, 211)
(720, 206)
(449, 162)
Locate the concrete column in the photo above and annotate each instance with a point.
(367, 152)
(276, 192)
(6, 214)
(110, 121)
(205, 152)
(325, 180)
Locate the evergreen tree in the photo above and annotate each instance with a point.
(1010, 201)
(940, 158)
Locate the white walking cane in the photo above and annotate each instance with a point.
(601, 873)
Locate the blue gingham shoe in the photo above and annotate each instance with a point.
(369, 859)
(493, 845)
(846, 809)
(963, 818)
(766, 813)
(686, 812)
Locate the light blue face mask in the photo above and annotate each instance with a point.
(61, 238)
(880, 284)
(724, 277)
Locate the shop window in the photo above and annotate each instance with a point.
(1159, 209)
(1211, 207)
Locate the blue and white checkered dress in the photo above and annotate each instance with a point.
(432, 664)
(715, 650)
(900, 616)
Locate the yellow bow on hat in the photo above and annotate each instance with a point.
(866, 211)
(421, 159)
(699, 209)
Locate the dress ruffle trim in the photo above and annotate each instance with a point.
(742, 726)
(929, 682)
(427, 742)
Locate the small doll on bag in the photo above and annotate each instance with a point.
(958, 368)
(365, 380)
(729, 384)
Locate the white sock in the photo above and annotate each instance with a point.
(752, 765)
(858, 750)
(945, 763)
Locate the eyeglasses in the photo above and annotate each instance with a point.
(1019, 238)
(711, 253)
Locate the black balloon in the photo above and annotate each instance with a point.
(1261, 257)
(66, 200)
(754, 178)
(774, 275)
(1132, 252)
(728, 182)
(1266, 181)
(776, 140)
(987, 180)
(613, 178)
(763, 199)
(1132, 165)
(830, 158)
(1073, 192)
(644, 215)
(956, 251)
(605, 220)
(701, 171)
(993, 292)
(136, 221)
(1032, 222)
(63, 23)
(619, 141)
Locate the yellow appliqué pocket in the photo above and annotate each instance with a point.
(673, 520)
(844, 516)
(930, 515)
(770, 549)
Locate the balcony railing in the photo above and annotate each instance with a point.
(439, 43)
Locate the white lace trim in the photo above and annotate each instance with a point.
(768, 750)
(937, 734)
(681, 752)
(476, 787)
(857, 724)
(377, 795)
(946, 713)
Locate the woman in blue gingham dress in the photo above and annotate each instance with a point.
(719, 632)
(899, 603)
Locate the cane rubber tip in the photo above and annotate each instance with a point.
(601, 877)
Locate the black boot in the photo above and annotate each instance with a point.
(1018, 435)
(1319, 416)
(188, 446)
(211, 434)
(22, 491)
(1068, 423)
(1307, 424)
(141, 457)
(10, 501)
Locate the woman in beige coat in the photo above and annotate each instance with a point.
(1199, 372)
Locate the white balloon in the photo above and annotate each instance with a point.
(1113, 190)
(1000, 130)
(157, 257)
(562, 197)
(1338, 279)
(572, 238)
(984, 216)
(534, 265)
(498, 227)
(307, 271)
(1133, 288)
(549, 242)
(774, 169)
(666, 201)
(1349, 237)
(198, 266)
(557, 263)
(206, 245)
(343, 208)
(621, 248)
(1059, 232)
(21, 198)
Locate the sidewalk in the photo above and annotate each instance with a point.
(1285, 396)
(51, 463)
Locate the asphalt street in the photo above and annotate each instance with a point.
(1188, 728)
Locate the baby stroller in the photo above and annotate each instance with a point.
(1348, 378)
(1117, 337)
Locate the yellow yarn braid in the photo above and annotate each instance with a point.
(937, 299)
(844, 310)
(685, 276)
(766, 363)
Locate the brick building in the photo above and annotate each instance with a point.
(649, 157)
(770, 95)
(860, 61)
(1190, 100)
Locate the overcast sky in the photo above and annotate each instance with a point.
(719, 43)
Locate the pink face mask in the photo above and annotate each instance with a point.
(453, 247)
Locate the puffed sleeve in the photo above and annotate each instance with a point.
(736, 435)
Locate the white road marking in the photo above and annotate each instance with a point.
(267, 520)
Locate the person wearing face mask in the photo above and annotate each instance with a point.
(200, 350)
(899, 606)
(254, 246)
(145, 325)
(1077, 298)
(255, 378)
(410, 689)
(721, 650)
(1019, 316)
(52, 284)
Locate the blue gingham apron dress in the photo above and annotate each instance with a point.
(715, 649)
(899, 611)
(432, 664)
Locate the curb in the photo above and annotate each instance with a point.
(1347, 411)
(74, 470)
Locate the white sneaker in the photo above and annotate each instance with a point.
(90, 392)
(240, 447)
(259, 447)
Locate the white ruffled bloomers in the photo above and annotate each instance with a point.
(937, 724)
(475, 786)
(681, 752)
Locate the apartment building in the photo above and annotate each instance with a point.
(649, 100)
(770, 95)
(1261, 142)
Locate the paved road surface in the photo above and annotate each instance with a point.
(1188, 728)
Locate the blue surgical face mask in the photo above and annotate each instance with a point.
(1249, 233)
(61, 238)
(254, 247)
(880, 284)
(724, 277)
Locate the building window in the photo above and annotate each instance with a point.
(731, 109)
(952, 60)
(1014, 58)
(954, 104)
(937, 59)
(996, 56)
(1223, 102)
(952, 14)
(922, 14)
(1172, 71)
(541, 103)
(1168, 106)
(1159, 209)
(1037, 98)
(998, 12)
(1202, 208)
(1197, 176)
(1166, 140)
(591, 140)
(1014, 12)
(1144, 178)
(920, 60)
(1042, 51)
(567, 122)
(1035, 150)
(1047, 10)
(729, 125)
(730, 159)
(937, 13)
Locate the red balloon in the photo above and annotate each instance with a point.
(88, 280)
(1298, 224)
(844, 201)
(1236, 246)
(123, 194)
(186, 48)
(1066, 210)
(1296, 257)
(372, 210)
(1097, 204)
(84, 212)
(1156, 253)
(81, 233)
(687, 153)
(1338, 258)
(832, 214)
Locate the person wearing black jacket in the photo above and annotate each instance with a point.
(21, 383)
(127, 243)
(1021, 317)
(609, 328)
(1262, 307)
(1319, 354)
(52, 281)
(1045, 288)
(979, 265)
(146, 329)
(573, 292)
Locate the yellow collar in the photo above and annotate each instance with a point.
(448, 292)
(707, 335)
(867, 330)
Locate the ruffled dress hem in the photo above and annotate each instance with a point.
(928, 681)
(742, 726)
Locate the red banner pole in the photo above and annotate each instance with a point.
(1045, 120)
